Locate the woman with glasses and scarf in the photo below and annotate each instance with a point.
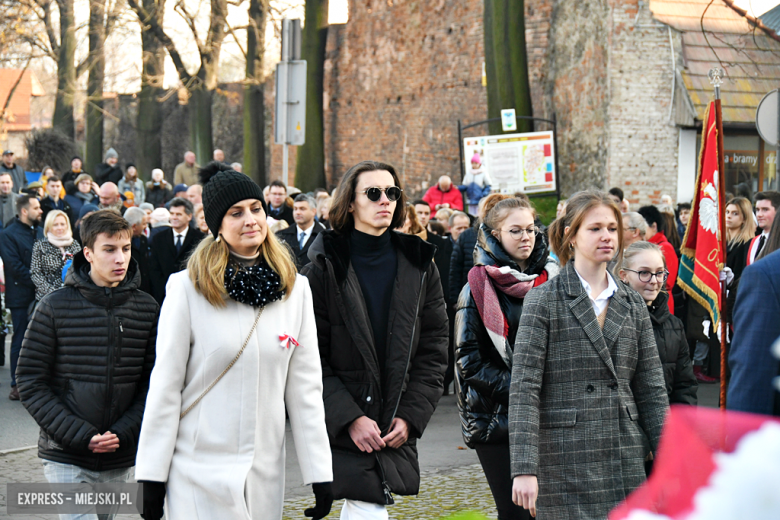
(510, 258)
(644, 270)
(236, 352)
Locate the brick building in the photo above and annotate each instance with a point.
(625, 80)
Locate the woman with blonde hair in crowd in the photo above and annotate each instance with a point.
(587, 389)
(740, 230)
(323, 210)
(412, 224)
(200, 218)
(236, 352)
(511, 257)
(50, 255)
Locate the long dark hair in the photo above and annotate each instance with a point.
(341, 220)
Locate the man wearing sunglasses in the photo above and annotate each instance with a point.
(382, 333)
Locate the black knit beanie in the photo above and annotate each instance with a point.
(223, 187)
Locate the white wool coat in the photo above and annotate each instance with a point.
(225, 458)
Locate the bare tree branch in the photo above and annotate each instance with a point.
(163, 38)
(232, 32)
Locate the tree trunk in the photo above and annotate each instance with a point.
(254, 107)
(97, 68)
(149, 121)
(506, 62)
(310, 166)
(494, 109)
(62, 119)
(201, 136)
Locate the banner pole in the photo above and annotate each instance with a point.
(722, 225)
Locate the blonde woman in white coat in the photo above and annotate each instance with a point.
(223, 456)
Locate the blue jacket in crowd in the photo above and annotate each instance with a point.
(756, 327)
(16, 245)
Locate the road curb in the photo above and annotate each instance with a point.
(16, 450)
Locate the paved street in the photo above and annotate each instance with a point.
(452, 479)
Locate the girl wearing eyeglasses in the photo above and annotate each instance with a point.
(510, 258)
(644, 270)
(587, 391)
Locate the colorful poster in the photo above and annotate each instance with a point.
(513, 162)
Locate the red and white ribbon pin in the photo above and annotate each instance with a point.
(286, 340)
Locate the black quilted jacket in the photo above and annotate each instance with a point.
(681, 385)
(84, 367)
(481, 376)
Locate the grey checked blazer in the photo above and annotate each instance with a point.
(583, 401)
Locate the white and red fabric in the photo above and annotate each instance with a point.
(712, 465)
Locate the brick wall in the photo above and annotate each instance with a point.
(643, 139)
(398, 76)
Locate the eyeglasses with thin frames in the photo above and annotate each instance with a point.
(646, 276)
(517, 234)
(374, 193)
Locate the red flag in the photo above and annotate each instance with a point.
(710, 459)
(702, 246)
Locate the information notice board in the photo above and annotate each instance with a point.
(513, 162)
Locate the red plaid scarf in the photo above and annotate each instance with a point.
(484, 280)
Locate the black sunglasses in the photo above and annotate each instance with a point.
(374, 194)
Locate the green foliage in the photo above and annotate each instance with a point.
(546, 207)
(469, 515)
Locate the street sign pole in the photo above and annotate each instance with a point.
(290, 106)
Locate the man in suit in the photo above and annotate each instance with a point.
(139, 246)
(306, 229)
(756, 328)
(277, 203)
(172, 247)
(767, 203)
(16, 245)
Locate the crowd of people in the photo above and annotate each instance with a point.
(177, 328)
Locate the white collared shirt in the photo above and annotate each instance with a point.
(183, 235)
(602, 300)
(753, 250)
(307, 233)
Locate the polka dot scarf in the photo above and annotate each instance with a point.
(256, 285)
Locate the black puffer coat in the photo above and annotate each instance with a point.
(481, 376)
(84, 367)
(416, 359)
(681, 385)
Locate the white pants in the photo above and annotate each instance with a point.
(357, 510)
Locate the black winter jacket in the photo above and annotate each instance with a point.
(481, 376)
(681, 385)
(84, 367)
(414, 368)
(462, 261)
(16, 245)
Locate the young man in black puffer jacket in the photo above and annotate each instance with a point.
(86, 359)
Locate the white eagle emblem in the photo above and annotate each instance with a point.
(708, 206)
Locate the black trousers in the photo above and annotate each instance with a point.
(495, 463)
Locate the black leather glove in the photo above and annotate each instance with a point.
(323, 496)
(154, 498)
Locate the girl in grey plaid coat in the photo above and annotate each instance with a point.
(587, 399)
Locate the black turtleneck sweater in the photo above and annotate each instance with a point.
(375, 262)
